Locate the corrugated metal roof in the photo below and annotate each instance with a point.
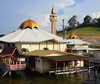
(29, 35)
(83, 48)
(76, 42)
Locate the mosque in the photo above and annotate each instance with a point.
(46, 51)
(30, 36)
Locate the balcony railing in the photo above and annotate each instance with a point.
(18, 67)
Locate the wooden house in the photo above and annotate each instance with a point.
(51, 60)
(13, 59)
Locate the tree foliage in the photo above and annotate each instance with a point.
(87, 20)
(98, 22)
(73, 21)
(2, 35)
(24, 50)
(46, 48)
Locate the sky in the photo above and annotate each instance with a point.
(14, 12)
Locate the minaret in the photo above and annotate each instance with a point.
(53, 20)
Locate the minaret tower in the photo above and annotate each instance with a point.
(53, 20)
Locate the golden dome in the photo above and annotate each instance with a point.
(53, 11)
(73, 36)
(29, 24)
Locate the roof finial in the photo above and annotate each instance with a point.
(52, 5)
(29, 17)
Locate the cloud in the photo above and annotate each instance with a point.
(71, 5)
(96, 15)
(78, 1)
(64, 3)
(67, 4)
(74, 3)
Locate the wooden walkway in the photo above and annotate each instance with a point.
(69, 71)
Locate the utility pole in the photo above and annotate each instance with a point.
(63, 29)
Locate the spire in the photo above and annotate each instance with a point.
(53, 11)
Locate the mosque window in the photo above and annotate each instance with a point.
(35, 27)
(28, 27)
(8, 45)
(0, 47)
(13, 45)
(73, 37)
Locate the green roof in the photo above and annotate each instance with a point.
(66, 57)
(39, 52)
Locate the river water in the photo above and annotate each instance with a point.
(29, 77)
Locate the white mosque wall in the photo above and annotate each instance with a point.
(56, 46)
(42, 45)
(51, 45)
(81, 46)
(62, 47)
(35, 46)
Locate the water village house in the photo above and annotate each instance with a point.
(13, 59)
(75, 45)
(52, 60)
(31, 37)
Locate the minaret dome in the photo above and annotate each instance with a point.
(53, 11)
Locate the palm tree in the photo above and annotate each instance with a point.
(45, 48)
(24, 50)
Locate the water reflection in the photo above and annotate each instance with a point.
(28, 77)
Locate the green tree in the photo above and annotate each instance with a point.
(94, 21)
(87, 20)
(24, 50)
(73, 22)
(46, 48)
(98, 22)
(2, 35)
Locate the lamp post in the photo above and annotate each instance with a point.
(63, 29)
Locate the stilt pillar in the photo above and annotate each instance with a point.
(9, 73)
(95, 73)
(88, 72)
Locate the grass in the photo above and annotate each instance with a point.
(85, 31)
